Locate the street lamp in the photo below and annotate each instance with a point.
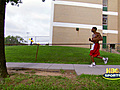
(20, 1)
(43, 0)
(27, 36)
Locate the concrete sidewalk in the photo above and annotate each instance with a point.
(79, 68)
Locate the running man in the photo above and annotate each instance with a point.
(94, 51)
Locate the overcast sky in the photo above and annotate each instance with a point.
(31, 16)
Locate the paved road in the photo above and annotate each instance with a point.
(79, 68)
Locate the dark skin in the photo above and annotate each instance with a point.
(95, 39)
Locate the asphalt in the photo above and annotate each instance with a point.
(79, 68)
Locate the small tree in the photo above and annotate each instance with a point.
(3, 69)
(14, 40)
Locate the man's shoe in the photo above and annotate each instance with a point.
(106, 60)
(92, 64)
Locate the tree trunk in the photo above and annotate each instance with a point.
(3, 69)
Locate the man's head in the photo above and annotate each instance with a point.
(94, 29)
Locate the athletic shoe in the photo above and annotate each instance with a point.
(92, 64)
(106, 60)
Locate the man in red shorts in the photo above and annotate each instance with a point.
(94, 51)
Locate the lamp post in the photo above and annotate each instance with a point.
(20, 1)
(27, 37)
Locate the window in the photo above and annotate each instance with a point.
(105, 27)
(105, 19)
(105, 3)
(105, 23)
(104, 42)
(112, 46)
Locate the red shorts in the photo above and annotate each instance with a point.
(95, 50)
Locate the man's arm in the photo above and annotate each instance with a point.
(91, 40)
(98, 38)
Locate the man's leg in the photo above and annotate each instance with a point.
(104, 59)
(93, 62)
(92, 58)
(99, 57)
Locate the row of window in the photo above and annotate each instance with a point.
(105, 20)
(105, 17)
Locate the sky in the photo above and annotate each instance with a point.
(32, 16)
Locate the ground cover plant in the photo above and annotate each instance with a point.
(56, 54)
(64, 81)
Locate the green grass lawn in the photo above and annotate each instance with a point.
(56, 54)
(35, 82)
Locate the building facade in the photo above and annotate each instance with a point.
(72, 20)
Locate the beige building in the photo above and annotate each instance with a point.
(72, 21)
